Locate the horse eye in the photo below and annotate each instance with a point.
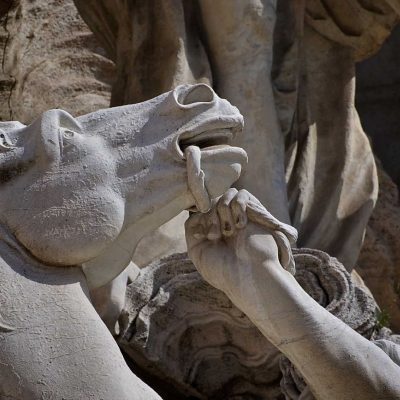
(68, 134)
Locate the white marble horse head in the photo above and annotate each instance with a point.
(82, 191)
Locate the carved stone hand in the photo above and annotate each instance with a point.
(236, 234)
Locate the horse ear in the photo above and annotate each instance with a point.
(5, 142)
(11, 150)
(9, 134)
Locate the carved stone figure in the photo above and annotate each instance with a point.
(80, 215)
(76, 195)
(90, 188)
(48, 49)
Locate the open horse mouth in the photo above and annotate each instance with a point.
(222, 133)
(192, 145)
(204, 140)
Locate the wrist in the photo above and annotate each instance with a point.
(274, 301)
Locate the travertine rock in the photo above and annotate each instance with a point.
(328, 283)
(378, 102)
(50, 59)
(181, 329)
(185, 332)
(379, 262)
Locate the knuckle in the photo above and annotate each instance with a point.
(223, 207)
(229, 195)
(241, 205)
(232, 191)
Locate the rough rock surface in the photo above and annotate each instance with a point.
(378, 103)
(379, 261)
(328, 283)
(183, 331)
(49, 59)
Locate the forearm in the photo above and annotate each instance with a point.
(248, 265)
(336, 362)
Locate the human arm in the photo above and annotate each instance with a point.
(244, 262)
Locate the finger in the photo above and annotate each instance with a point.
(195, 228)
(253, 198)
(213, 226)
(238, 209)
(286, 258)
(225, 213)
(257, 213)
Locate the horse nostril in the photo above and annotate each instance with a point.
(200, 93)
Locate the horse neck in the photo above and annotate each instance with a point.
(16, 260)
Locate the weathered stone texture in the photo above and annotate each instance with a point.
(379, 261)
(49, 59)
(181, 330)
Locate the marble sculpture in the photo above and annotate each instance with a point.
(77, 194)
(243, 314)
(237, 252)
(89, 188)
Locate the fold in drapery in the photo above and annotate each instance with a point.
(362, 25)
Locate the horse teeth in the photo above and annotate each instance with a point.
(210, 138)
